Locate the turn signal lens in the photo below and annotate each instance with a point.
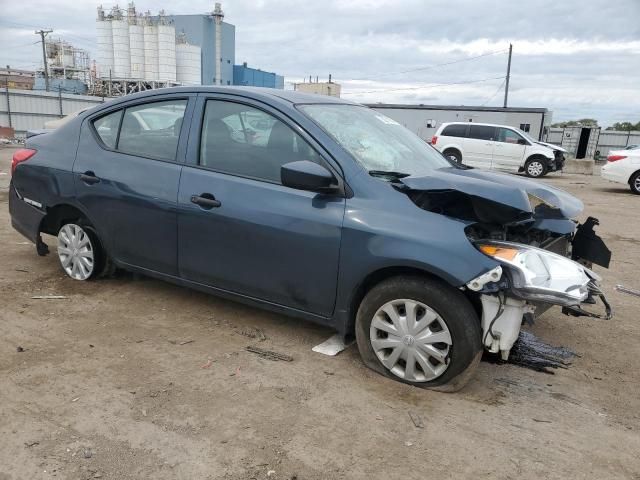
(495, 251)
(21, 155)
(614, 158)
(434, 140)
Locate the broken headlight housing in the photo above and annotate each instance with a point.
(540, 275)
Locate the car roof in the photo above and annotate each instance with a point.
(479, 123)
(258, 93)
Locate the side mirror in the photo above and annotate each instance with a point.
(306, 175)
(522, 141)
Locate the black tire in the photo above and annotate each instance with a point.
(453, 154)
(452, 307)
(535, 167)
(634, 183)
(99, 256)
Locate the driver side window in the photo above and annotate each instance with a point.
(509, 136)
(242, 140)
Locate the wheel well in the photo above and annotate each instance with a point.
(633, 175)
(454, 149)
(374, 279)
(55, 217)
(538, 156)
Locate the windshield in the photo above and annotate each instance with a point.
(527, 136)
(378, 143)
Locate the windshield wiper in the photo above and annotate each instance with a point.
(385, 173)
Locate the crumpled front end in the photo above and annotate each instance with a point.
(544, 257)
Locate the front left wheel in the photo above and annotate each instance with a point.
(79, 251)
(634, 183)
(535, 168)
(419, 331)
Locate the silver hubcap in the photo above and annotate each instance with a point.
(75, 252)
(636, 184)
(535, 169)
(411, 340)
(453, 158)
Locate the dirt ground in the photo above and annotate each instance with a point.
(133, 378)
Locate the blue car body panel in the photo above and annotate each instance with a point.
(302, 253)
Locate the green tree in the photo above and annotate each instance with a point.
(583, 122)
(625, 126)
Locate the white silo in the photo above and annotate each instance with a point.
(121, 49)
(136, 44)
(188, 64)
(166, 50)
(150, 50)
(105, 45)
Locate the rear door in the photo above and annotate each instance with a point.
(126, 175)
(252, 235)
(509, 150)
(478, 146)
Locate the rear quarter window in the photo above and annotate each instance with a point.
(107, 128)
(455, 131)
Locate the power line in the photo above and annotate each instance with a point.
(426, 86)
(494, 93)
(429, 67)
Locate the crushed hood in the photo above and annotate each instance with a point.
(508, 190)
(553, 147)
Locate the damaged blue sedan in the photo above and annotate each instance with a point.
(316, 208)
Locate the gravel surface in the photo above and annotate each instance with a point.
(133, 378)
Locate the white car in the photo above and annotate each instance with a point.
(623, 166)
(497, 147)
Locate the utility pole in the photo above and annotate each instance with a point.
(506, 85)
(43, 33)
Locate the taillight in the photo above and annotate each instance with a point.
(434, 140)
(21, 155)
(614, 158)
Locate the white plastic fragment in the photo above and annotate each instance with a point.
(332, 345)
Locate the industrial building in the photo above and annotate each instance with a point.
(330, 88)
(425, 119)
(16, 78)
(142, 51)
(247, 76)
(68, 68)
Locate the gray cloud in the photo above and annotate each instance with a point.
(576, 58)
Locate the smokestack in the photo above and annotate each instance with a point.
(218, 15)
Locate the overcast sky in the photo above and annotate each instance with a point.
(578, 58)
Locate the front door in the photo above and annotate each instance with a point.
(478, 146)
(509, 150)
(126, 177)
(242, 231)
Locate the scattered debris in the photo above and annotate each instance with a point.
(541, 421)
(87, 453)
(19, 349)
(207, 364)
(416, 419)
(91, 345)
(269, 354)
(531, 352)
(186, 342)
(75, 399)
(23, 270)
(332, 345)
(144, 412)
(630, 291)
(408, 444)
(31, 444)
(252, 332)
(48, 297)
(271, 472)
(327, 372)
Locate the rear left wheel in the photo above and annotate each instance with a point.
(79, 251)
(419, 331)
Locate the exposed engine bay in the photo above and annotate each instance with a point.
(544, 255)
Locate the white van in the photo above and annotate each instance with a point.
(498, 147)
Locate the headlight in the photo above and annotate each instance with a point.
(536, 202)
(540, 275)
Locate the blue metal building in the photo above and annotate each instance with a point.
(201, 30)
(247, 76)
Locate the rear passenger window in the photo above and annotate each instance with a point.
(107, 128)
(455, 131)
(153, 129)
(244, 141)
(482, 132)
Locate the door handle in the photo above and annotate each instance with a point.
(89, 178)
(206, 201)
